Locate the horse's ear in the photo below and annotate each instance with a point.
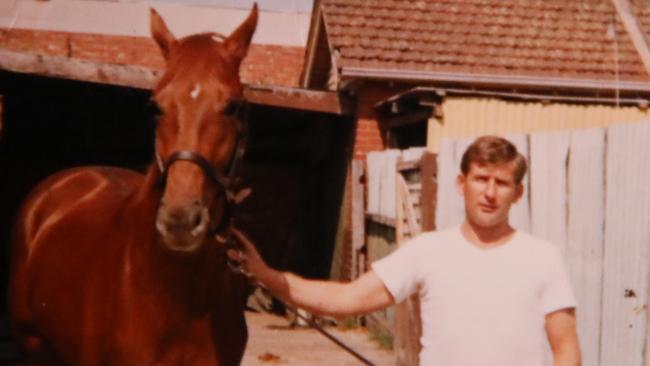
(237, 43)
(161, 33)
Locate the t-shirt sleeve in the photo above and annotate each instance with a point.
(399, 271)
(557, 293)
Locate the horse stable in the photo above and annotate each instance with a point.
(77, 98)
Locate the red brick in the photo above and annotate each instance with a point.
(265, 64)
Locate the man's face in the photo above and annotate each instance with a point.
(489, 191)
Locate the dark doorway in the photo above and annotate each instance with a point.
(52, 124)
(295, 163)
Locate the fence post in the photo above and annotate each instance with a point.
(408, 326)
(357, 265)
(428, 180)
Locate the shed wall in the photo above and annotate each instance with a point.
(466, 117)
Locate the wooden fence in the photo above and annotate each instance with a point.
(401, 204)
(588, 191)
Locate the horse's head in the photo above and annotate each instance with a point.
(197, 132)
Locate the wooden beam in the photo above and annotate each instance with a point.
(77, 69)
(143, 77)
(408, 324)
(303, 99)
(428, 174)
(357, 209)
(408, 165)
(382, 220)
(405, 119)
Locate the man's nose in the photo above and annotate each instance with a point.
(491, 190)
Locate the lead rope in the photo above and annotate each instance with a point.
(236, 268)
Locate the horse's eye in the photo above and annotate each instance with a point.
(231, 107)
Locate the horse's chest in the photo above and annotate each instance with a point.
(188, 344)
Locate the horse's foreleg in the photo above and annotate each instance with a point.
(35, 351)
(232, 332)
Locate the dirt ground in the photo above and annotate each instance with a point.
(272, 341)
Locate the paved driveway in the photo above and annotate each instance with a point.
(272, 342)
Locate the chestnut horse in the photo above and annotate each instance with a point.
(110, 267)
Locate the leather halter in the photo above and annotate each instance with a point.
(226, 184)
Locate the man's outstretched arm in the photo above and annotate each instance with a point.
(363, 295)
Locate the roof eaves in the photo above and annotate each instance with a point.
(299, 99)
(496, 80)
(436, 94)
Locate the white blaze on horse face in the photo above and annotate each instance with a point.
(196, 91)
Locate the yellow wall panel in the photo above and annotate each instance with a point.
(467, 117)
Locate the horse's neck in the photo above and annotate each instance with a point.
(172, 275)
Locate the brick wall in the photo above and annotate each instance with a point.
(273, 65)
(369, 136)
(265, 64)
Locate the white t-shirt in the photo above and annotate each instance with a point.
(480, 307)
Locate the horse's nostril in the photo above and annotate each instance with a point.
(197, 203)
(197, 219)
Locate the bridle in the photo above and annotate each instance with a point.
(227, 184)
(228, 188)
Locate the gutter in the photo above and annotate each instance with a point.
(496, 80)
(442, 92)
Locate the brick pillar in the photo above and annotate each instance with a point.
(368, 136)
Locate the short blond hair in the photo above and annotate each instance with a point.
(494, 150)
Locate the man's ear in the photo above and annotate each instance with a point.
(519, 192)
(460, 184)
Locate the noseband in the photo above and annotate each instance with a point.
(226, 184)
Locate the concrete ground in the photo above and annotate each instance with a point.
(272, 341)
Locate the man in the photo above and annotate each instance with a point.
(490, 295)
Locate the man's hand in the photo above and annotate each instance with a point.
(365, 294)
(248, 258)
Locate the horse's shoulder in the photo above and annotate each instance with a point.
(81, 189)
(93, 178)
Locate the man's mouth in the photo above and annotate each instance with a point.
(487, 208)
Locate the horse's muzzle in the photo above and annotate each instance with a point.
(183, 228)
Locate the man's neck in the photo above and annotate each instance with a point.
(487, 237)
